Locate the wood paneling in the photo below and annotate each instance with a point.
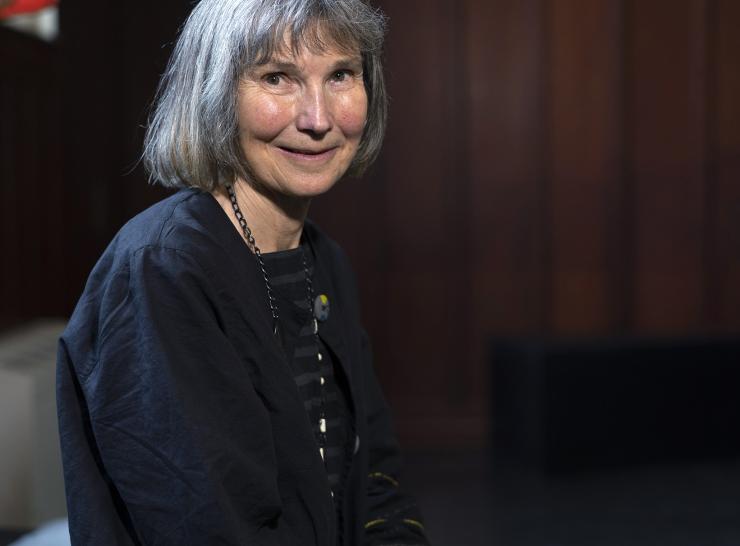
(666, 103)
(111, 56)
(552, 167)
(584, 174)
(504, 149)
(504, 47)
(723, 285)
(33, 223)
(414, 235)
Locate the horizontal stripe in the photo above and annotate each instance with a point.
(315, 402)
(289, 278)
(306, 350)
(302, 303)
(331, 424)
(310, 365)
(332, 452)
(307, 330)
(306, 378)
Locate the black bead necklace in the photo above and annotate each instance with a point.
(249, 237)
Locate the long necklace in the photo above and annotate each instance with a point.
(321, 436)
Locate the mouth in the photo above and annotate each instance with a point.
(306, 154)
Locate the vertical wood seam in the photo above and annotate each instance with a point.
(712, 287)
(458, 214)
(544, 161)
(628, 213)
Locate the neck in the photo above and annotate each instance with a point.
(276, 221)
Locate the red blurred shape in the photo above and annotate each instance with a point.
(16, 7)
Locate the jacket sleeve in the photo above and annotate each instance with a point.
(393, 516)
(178, 433)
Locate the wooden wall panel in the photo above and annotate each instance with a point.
(413, 200)
(32, 222)
(424, 201)
(552, 167)
(504, 48)
(111, 56)
(89, 61)
(148, 36)
(584, 144)
(724, 282)
(666, 135)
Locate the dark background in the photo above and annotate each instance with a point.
(553, 168)
(548, 248)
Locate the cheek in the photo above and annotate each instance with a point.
(352, 116)
(262, 118)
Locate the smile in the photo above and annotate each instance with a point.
(308, 155)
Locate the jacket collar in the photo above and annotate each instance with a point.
(333, 331)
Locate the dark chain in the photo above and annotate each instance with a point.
(274, 308)
(253, 245)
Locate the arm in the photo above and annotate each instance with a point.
(179, 434)
(393, 517)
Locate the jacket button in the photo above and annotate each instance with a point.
(357, 444)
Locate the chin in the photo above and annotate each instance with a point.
(309, 184)
(307, 190)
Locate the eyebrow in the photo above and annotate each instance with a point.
(288, 66)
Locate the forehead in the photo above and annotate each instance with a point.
(305, 59)
(288, 44)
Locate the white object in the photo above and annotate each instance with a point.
(43, 24)
(54, 533)
(31, 480)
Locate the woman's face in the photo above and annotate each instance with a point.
(301, 118)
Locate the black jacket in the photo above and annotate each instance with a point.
(180, 420)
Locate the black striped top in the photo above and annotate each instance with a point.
(287, 275)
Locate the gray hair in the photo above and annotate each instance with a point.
(192, 136)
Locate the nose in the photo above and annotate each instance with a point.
(314, 112)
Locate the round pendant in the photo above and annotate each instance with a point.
(321, 307)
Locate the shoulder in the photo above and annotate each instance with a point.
(178, 243)
(327, 249)
(172, 223)
(188, 223)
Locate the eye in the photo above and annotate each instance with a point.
(341, 75)
(274, 78)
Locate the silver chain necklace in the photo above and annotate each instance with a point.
(276, 316)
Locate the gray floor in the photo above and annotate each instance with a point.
(466, 503)
(455, 495)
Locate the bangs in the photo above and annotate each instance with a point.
(317, 37)
(318, 28)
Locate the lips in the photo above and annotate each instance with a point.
(307, 154)
(303, 151)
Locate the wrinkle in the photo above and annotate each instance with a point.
(180, 475)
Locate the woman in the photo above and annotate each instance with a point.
(214, 383)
